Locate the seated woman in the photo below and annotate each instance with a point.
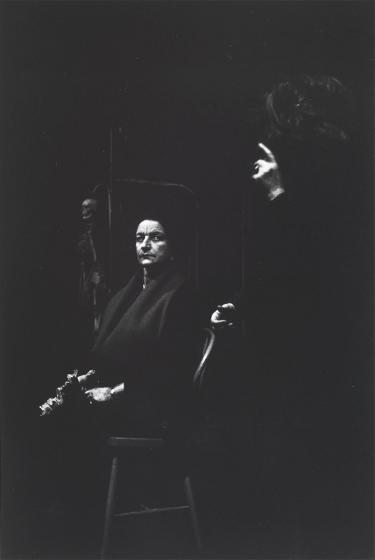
(148, 343)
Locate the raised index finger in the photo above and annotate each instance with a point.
(267, 151)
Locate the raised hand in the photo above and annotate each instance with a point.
(268, 173)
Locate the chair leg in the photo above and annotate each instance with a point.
(109, 507)
(194, 519)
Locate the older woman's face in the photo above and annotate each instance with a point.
(151, 243)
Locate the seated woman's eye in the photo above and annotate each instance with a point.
(139, 238)
(157, 237)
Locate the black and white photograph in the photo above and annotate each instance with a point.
(187, 314)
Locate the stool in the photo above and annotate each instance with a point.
(118, 443)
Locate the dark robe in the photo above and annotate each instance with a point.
(306, 327)
(301, 303)
(149, 339)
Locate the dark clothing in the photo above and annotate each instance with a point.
(305, 314)
(149, 340)
(303, 268)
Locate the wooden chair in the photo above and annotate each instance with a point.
(119, 444)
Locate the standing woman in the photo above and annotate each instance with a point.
(304, 303)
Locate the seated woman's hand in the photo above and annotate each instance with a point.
(223, 316)
(99, 394)
(86, 378)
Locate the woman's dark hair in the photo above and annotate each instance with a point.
(309, 106)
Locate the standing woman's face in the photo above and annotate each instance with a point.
(151, 243)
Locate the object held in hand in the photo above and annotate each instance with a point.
(72, 383)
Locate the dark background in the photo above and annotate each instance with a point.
(181, 86)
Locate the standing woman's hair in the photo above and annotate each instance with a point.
(307, 107)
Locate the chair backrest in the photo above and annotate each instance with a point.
(208, 344)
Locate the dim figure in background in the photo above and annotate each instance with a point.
(305, 123)
(302, 302)
(93, 290)
(304, 236)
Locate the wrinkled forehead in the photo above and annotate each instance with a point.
(146, 227)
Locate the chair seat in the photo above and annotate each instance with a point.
(117, 443)
(149, 443)
(147, 510)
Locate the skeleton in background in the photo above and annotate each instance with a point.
(92, 285)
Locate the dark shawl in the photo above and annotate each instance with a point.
(148, 340)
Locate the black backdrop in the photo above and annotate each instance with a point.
(181, 85)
